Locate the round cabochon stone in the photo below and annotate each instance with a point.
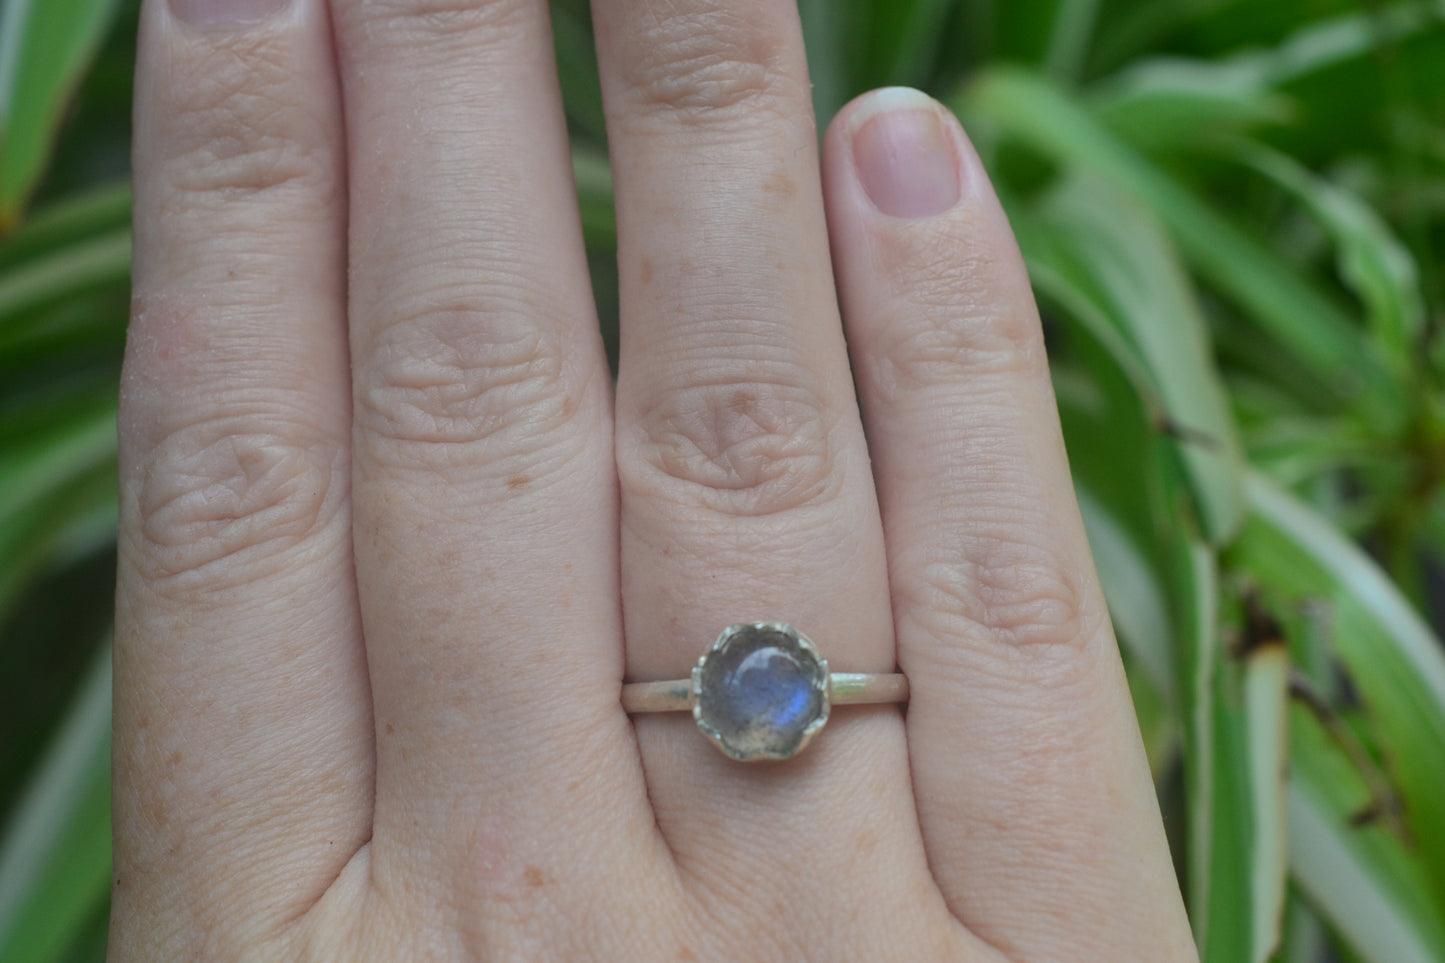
(761, 691)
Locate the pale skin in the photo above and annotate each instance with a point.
(392, 540)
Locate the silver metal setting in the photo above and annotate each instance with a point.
(833, 689)
(820, 684)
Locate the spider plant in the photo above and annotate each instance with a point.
(1233, 214)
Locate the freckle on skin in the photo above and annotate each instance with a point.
(780, 185)
(534, 876)
(518, 481)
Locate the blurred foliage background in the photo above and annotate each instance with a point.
(1233, 213)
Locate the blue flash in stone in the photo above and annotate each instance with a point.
(761, 691)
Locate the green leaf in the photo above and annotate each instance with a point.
(81, 337)
(1139, 26)
(60, 490)
(1196, 573)
(576, 59)
(90, 942)
(1391, 655)
(74, 218)
(1060, 282)
(915, 48)
(1266, 678)
(45, 46)
(872, 43)
(1158, 724)
(904, 41)
(1124, 486)
(73, 519)
(1225, 930)
(1318, 332)
(593, 175)
(1310, 49)
(49, 446)
(1246, 853)
(1327, 44)
(1293, 449)
(1167, 104)
(1071, 31)
(1132, 492)
(1160, 579)
(1372, 261)
(1115, 251)
(1038, 33)
(1138, 600)
(828, 64)
(1364, 882)
(1304, 939)
(55, 852)
(80, 266)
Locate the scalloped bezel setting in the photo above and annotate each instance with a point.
(761, 692)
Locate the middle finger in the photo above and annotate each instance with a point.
(485, 531)
(746, 490)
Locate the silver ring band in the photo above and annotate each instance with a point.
(848, 689)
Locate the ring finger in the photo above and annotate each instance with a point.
(746, 489)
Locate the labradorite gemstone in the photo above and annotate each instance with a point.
(761, 691)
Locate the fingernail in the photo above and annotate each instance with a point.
(904, 156)
(225, 13)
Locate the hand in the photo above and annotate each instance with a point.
(390, 547)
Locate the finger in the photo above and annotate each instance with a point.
(242, 721)
(484, 492)
(1037, 809)
(746, 493)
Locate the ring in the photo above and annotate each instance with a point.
(762, 691)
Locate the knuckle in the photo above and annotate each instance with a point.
(243, 131)
(953, 348)
(230, 494)
(462, 375)
(1031, 596)
(952, 324)
(751, 448)
(1019, 593)
(229, 167)
(706, 63)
